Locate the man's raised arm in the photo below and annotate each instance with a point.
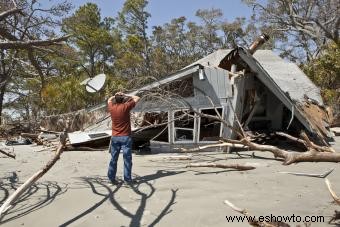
(135, 98)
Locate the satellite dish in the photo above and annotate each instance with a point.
(94, 84)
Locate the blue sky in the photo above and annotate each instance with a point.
(163, 11)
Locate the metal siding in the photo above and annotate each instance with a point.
(218, 78)
(222, 84)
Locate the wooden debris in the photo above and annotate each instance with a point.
(294, 157)
(223, 144)
(334, 196)
(15, 196)
(175, 157)
(7, 154)
(30, 136)
(288, 156)
(335, 218)
(72, 148)
(306, 142)
(224, 166)
(323, 175)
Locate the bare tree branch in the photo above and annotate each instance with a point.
(8, 13)
(31, 43)
(223, 166)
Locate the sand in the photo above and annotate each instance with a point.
(76, 192)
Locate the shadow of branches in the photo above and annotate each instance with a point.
(44, 194)
(98, 183)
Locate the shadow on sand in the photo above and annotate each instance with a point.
(98, 183)
(46, 192)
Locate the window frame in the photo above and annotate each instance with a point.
(194, 129)
(199, 123)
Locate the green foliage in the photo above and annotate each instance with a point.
(133, 57)
(130, 57)
(92, 36)
(325, 72)
(64, 95)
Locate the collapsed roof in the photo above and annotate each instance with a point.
(285, 80)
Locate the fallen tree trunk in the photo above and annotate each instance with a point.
(224, 166)
(306, 142)
(294, 157)
(199, 148)
(7, 154)
(8, 203)
(288, 156)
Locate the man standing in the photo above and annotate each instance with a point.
(119, 107)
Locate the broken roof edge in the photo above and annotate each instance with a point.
(171, 77)
(266, 79)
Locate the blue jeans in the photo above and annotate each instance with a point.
(120, 143)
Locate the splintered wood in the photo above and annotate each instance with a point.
(223, 166)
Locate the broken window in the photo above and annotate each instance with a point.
(210, 129)
(162, 130)
(155, 126)
(184, 124)
(149, 126)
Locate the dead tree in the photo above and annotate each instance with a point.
(315, 153)
(288, 157)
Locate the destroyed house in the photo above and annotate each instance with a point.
(263, 90)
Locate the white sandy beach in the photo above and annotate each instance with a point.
(76, 192)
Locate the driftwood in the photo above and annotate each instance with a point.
(322, 175)
(72, 148)
(10, 200)
(178, 157)
(7, 154)
(174, 157)
(334, 196)
(252, 220)
(224, 144)
(336, 215)
(224, 166)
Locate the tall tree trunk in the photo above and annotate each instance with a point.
(2, 95)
